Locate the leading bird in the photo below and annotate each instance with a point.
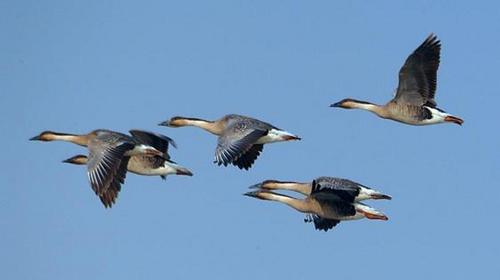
(414, 102)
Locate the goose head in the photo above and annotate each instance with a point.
(78, 160)
(349, 103)
(178, 121)
(46, 136)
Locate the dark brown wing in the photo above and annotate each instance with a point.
(418, 76)
(321, 223)
(247, 159)
(235, 142)
(155, 140)
(343, 188)
(108, 197)
(334, 204)
(105, 165)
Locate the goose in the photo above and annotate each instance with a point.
(241, 139)
(145, 164)
(343, 187)
(324, 207)
(414, 102)
(109, 152)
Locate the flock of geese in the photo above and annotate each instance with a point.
(326, 200)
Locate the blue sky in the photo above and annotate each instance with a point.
(74, 66)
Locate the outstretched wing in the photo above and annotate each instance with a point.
(334, 204)
(155, 140)
(109, 196)
(345, 189)
(321, 223)
(247, 159)
(418, 76)
(105, 164)
(237, 139)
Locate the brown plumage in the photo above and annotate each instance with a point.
(109, 153)
(326, 201)
(414, 102)
(241, 139)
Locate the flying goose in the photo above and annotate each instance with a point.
(325, 203)
(414, 102)
(146, 164)
(241, 139)
(109, 152)
(344, 187)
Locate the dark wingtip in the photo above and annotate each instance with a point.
(432, 38)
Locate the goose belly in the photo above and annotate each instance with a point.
(416, 115)
(141, 165)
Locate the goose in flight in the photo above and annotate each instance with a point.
(341, 186)
(414, 102)
(147, 165)
(326, 201)
(109, 153)
(241, 139)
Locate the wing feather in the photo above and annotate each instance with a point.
(418, 76)
(107, 166)
(234, 143)
(321, 223)
(345, 189)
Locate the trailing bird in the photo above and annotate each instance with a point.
(147, 165)
(325, 203)
(109, 153)
(344, 187)
(414, 102)
(241, 139)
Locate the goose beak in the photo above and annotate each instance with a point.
(338, 104)
(165, 123)
(36, 138)
(252, 194)
(256, 186)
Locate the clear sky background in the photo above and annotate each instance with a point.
(74, 66)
